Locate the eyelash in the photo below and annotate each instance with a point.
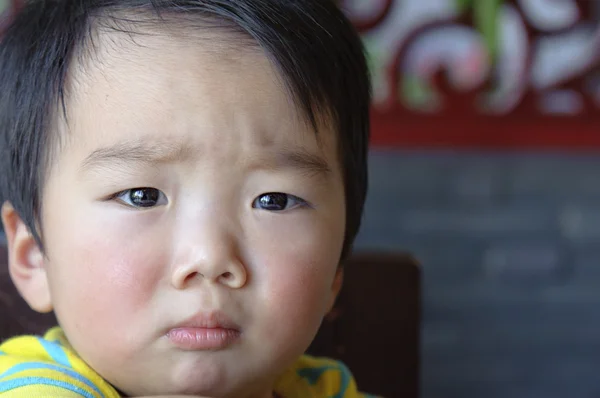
(125, 198)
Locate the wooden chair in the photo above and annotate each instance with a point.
(374, 327)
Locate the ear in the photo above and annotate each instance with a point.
(26, 262)
(336, 286)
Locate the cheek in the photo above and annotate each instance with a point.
(295, 278)
(296, 303)
(300, 292)
(100, 268)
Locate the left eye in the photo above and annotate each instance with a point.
(277, 201)
(142, 197)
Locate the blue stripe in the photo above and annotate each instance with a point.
(313, 375)
(2, 353)
(56, 352)
(39, 365)
(29, 381)
(346, 378)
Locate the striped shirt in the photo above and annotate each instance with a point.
(36, 367)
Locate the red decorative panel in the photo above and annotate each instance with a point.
(483, 73)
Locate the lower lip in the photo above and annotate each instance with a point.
(197, 339)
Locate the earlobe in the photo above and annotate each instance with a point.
(26, 262)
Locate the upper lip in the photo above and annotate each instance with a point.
(208, 320)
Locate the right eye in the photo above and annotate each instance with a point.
(142, 197)
(278, 202)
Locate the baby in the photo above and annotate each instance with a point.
(182, 179)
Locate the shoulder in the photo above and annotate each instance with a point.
(36, 366)
(319, 377)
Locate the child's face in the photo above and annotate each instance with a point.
(209, 132)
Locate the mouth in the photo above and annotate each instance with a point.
(205, 332)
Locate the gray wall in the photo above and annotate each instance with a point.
(510, 257)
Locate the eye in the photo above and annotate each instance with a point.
(277, 201)
(142, 197)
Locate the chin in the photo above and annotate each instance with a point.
(201, 380)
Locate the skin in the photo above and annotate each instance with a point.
(210, 127)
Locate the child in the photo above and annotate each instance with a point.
(182, 179)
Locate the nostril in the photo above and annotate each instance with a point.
(192, 275)
(227, 275)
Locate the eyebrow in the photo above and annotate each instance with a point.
(164, 153)
(135, 152)
(301, 160)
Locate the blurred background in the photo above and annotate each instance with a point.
(485, 165)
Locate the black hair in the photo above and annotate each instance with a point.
(313, 45)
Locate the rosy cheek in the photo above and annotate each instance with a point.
(296, 289)
(292, 317)
(110, 275)
(129, 272)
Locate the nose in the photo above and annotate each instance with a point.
(213, 257)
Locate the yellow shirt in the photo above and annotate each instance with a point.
(33, 367)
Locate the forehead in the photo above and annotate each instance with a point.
(171, 85)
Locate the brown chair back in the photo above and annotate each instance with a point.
(375, 325)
